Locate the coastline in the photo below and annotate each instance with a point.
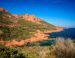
(40, 36)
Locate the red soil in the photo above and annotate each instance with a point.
(40, 36)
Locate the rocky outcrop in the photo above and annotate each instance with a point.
(31, 18)
(3, 10)
(27, 17)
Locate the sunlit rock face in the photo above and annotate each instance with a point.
(31, 18)
(2, 10)
(27, 17)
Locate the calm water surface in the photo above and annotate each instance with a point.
(66, 33)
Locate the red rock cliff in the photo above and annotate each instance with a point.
(31, 18)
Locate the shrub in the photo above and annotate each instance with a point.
(63, 49)
(6, 52)
(60, 49)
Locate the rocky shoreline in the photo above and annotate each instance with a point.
(40, 36)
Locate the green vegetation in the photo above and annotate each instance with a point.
(24, 29)
(61, 49)
(6, 32)
(47, 26)
(34, 51)
(5, 19)
(6, 52)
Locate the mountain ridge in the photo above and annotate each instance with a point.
(23, 28)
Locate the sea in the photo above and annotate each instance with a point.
(66, 33)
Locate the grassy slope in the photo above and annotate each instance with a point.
(24, 30)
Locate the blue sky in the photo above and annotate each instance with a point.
(57, 12)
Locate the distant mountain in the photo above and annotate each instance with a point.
(21, 26)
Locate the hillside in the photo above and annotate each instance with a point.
(20, 26)
(18, 30)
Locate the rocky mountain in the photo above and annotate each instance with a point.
(20, 26)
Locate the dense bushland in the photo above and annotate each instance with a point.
(6, 52)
